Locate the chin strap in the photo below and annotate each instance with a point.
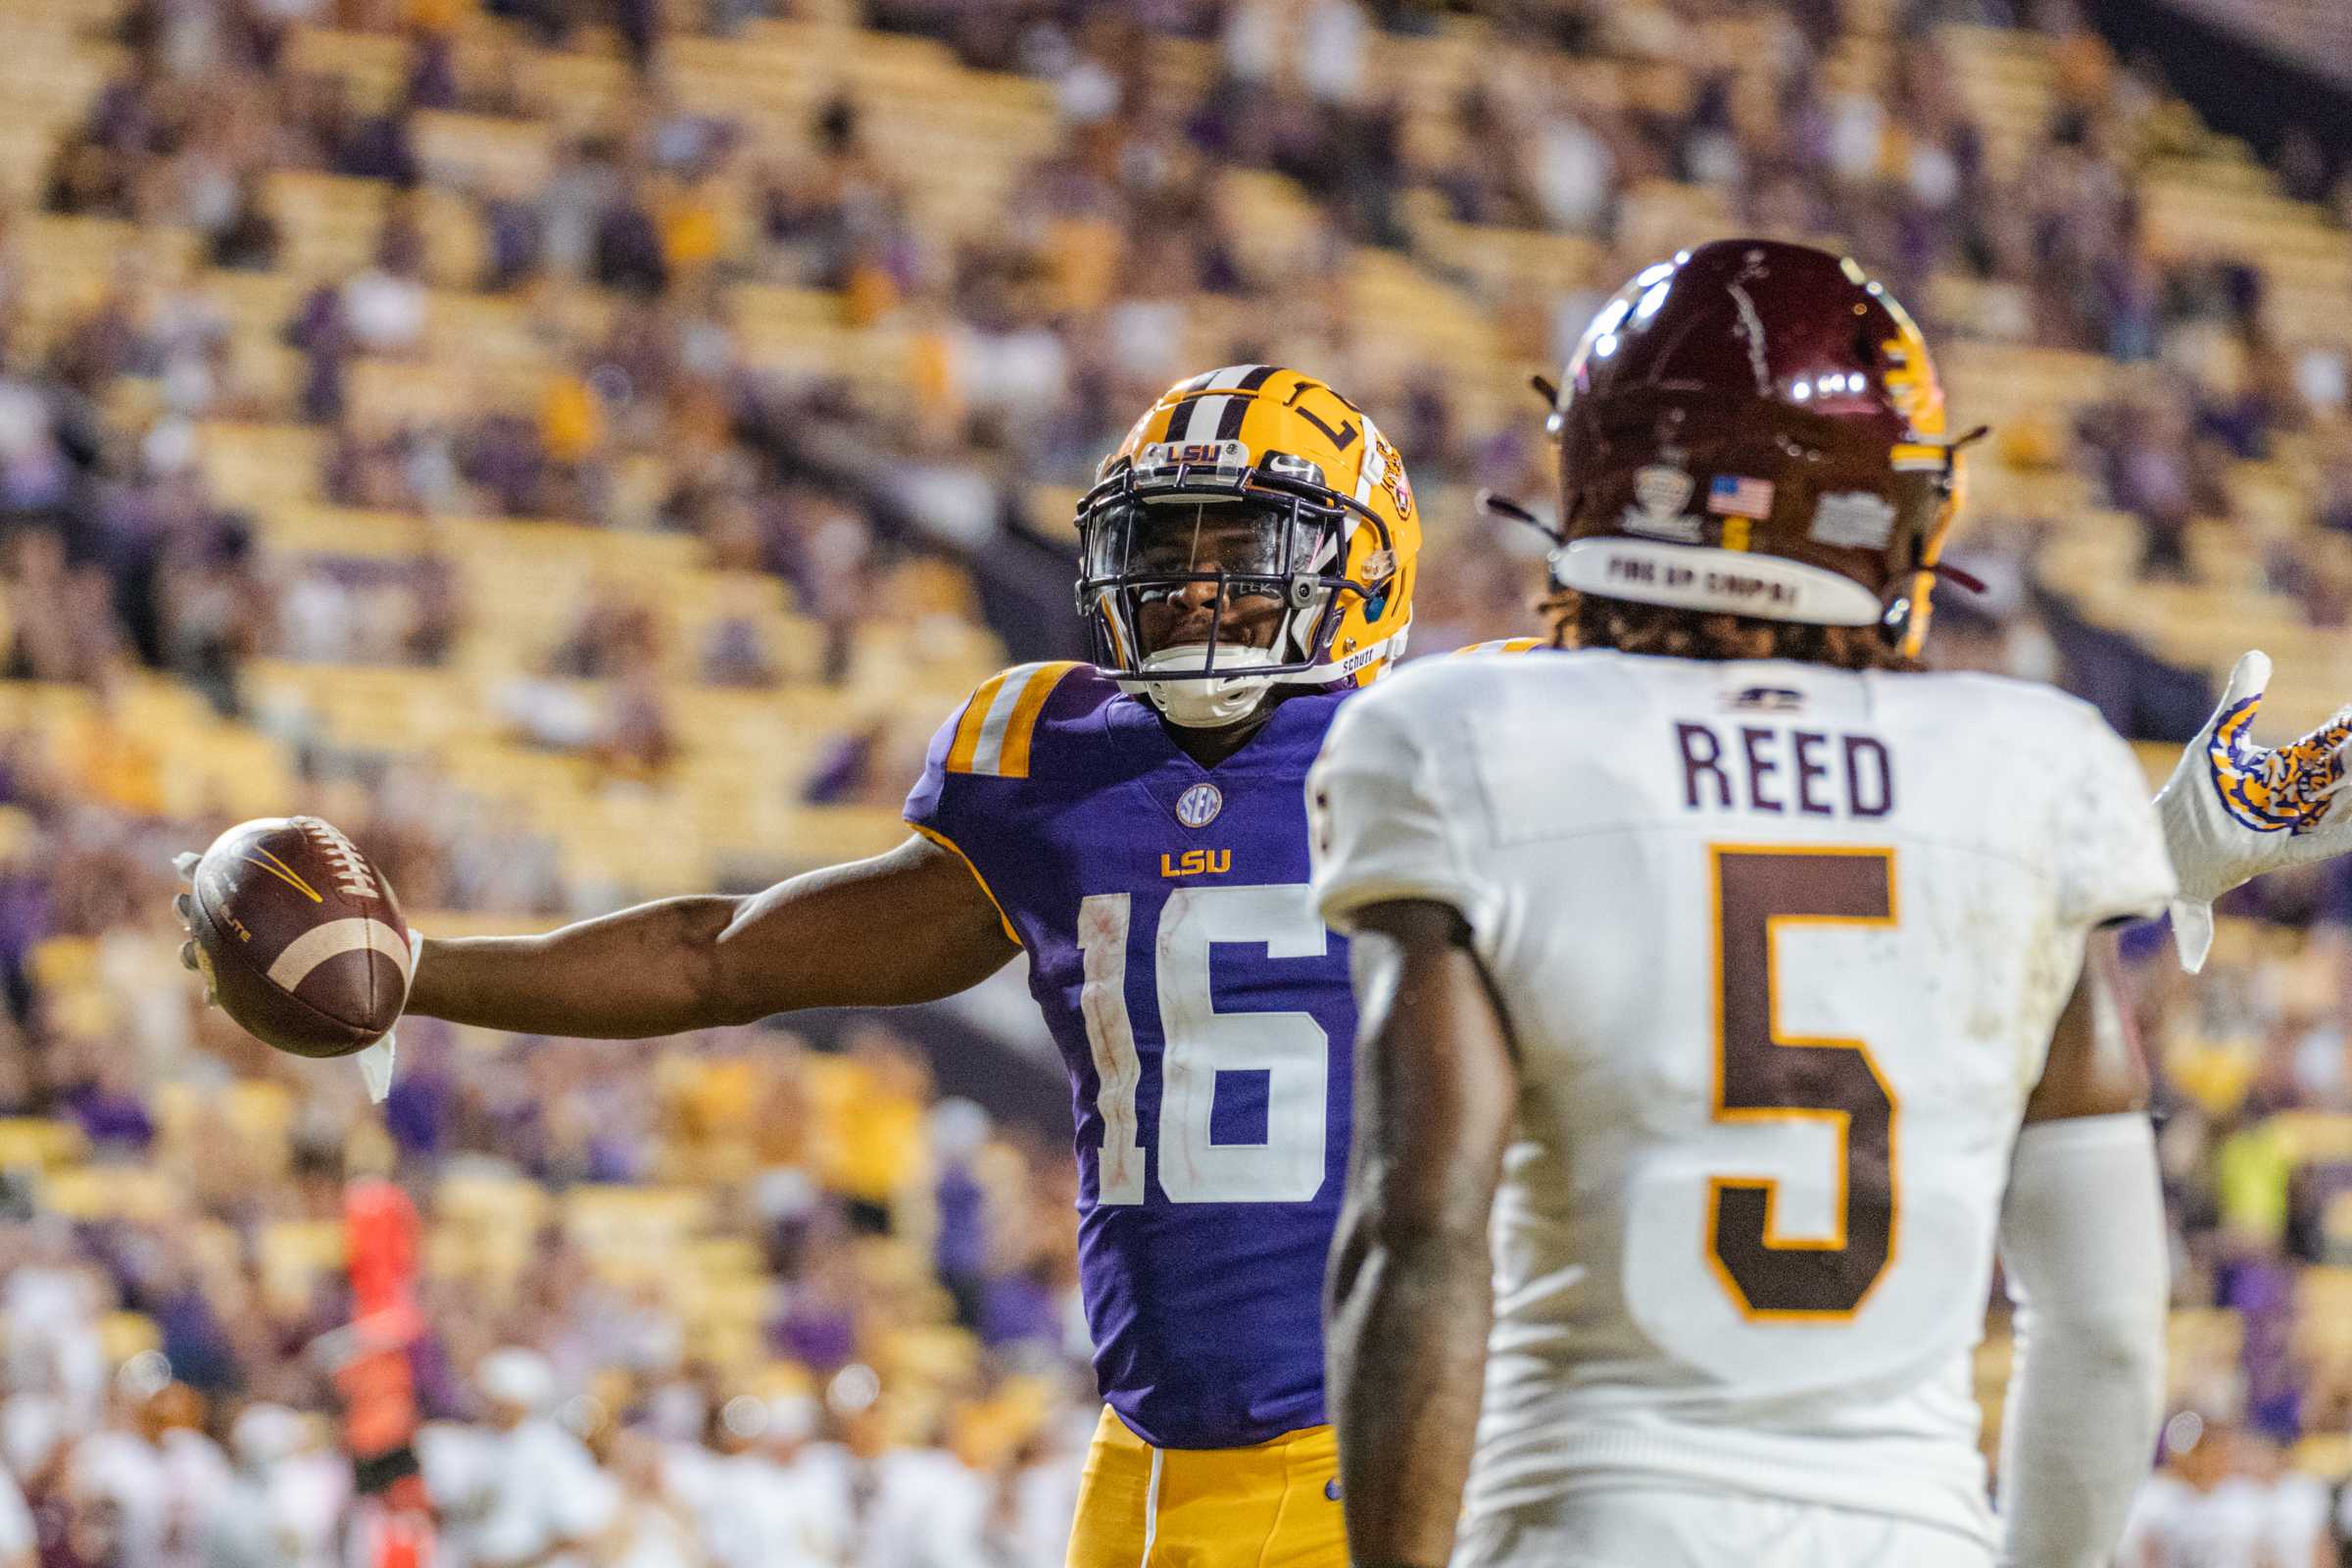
(1329, 673)
(1944, 572)
(1228, 701)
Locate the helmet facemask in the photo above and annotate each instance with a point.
(1207, 587)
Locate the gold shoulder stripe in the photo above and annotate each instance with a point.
(998, 724)
(968, 728)
(1013, 761)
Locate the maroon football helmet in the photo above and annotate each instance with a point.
(1755, 427)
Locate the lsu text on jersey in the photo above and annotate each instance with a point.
(1203, 1011)
(1781, 948)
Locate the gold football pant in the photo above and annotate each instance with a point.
(1275, 1506)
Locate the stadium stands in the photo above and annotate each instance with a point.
(587, 484)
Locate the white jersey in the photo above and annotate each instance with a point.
(1780, 948)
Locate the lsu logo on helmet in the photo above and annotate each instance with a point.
(1341, 533)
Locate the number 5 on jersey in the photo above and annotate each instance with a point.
(1198, 1042)
(1762, 1075)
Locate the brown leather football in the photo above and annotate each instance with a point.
(300, 938)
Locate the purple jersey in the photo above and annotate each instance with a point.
(1206, 1016)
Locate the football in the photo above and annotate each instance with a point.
(299, 937)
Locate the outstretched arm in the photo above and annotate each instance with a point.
(911, 925)
(2082, 1243)
(1410, 1293)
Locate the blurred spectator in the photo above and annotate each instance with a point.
(145, 1478)
(629, 255)
(649, 1530)
(734, 650)
(926, 1503)
(2222, 1501)
(764, 1495)
(383, 306)
(526, 1492)
(634, 737)
(245, 237)
(249, 1526)
(18, 1541)
(616, 632)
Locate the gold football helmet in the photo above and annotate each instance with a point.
(1274, 491)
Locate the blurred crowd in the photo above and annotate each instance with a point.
(862, 1347)
(1038, 339)
(859, 1347)
(1122, 258)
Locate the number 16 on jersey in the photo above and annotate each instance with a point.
(1198, 1042)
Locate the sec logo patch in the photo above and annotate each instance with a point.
(1199, 806)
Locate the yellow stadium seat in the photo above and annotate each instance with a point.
(89, 247)
(2215, 1334)
(64, 964)
(2325, 1454)
(500, 771)
(29, 1142)
(2320, 1137)
(475, 1197)
(295, 1255)
(316, 528)
(374, 65)
(1658, 217)
(2324, 1298)
(465, 327)
(1500, 259)
(108, 1192)
(123, 1334)
(932, 1353)
(260, 465)
(717, 1258)
(575, 91)
(449, 1254)
(484, 152)
(738, 1303)
(442, 392)
(329, 223)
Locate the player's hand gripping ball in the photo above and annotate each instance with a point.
(298, 937)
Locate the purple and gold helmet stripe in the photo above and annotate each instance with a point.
(1206, 410)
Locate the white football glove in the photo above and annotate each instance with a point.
(2233, 810)
(376, 1060)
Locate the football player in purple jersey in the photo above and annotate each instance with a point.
(1137, 826)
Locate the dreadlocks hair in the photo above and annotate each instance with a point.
(1588, 620)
